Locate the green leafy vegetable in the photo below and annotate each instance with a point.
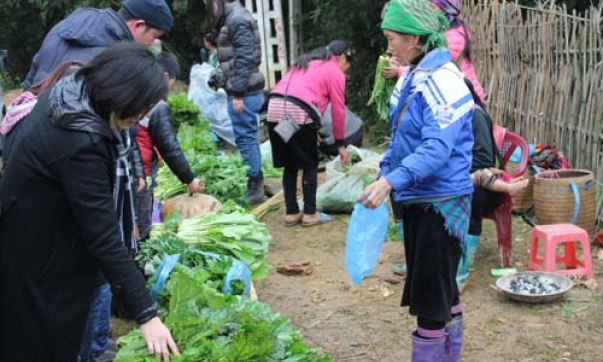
(225, 178)
(211, 327)
(183, 111)
(382, 90)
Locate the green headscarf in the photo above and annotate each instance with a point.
(416, 17)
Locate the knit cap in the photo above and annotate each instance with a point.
(156, 13)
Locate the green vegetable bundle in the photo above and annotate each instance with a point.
(211, 327)
(236, 234)
(197, 138)
(154, 251)
(382, 90)
(183, 111)
(225, 178)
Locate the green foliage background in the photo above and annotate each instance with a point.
(24, 23)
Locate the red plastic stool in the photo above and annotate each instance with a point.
(568, 235)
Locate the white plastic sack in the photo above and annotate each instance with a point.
(266, 152)
(213, 105)
(338, 195)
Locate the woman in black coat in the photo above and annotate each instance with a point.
(58, 224)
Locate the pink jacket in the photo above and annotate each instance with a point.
(322, 83)
(456, 44)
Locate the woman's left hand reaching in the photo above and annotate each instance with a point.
(344, 156)
(159, 339)
(374, 194)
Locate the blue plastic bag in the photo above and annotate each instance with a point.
(156, 216)
(238, 271)
(366, 234)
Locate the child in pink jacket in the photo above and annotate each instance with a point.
(459, 41)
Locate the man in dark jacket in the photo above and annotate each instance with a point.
(156, 137)
(87, 32)
(239, 57)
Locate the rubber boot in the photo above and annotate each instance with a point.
(400, 269)
(454, 328)
(429, 350)
(255, 190)
(462, 273)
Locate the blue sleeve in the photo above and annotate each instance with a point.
(439, 133)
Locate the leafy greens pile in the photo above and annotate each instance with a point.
(224, 175)
(211, 327)
(230, 232)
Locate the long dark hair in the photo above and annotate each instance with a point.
(125, 79)
(61, 70)
(336, 47)
(214, 20)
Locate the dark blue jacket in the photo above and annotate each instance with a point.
(80, 36)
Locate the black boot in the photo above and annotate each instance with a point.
(255, 190)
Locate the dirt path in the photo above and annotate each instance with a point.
(358, 323)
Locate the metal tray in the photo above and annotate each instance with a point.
(503, 284)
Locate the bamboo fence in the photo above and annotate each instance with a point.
(543, 72)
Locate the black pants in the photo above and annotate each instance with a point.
(432, 258)
(144, 212)
(309, 185)
(482, 202)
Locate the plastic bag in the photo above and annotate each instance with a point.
(238, 271)
(338, 195)
(365, 238)
(156, 215)
(334, 167)
(213, 104)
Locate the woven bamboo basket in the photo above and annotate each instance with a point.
(555, 195)
(524, 200)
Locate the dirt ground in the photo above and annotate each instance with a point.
(365, 323)
(362, 323)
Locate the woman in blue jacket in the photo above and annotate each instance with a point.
(426, 170)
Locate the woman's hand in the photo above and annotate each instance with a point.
(159, 339)
(141, 184)
(374, 194)
(390, 72)
(195, 186)
(344, 156)
(238, 105)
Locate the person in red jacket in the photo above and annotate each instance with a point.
(156, 137)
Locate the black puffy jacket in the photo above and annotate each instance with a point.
(240, 51)
(156, 134)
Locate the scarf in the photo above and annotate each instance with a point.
(124, 194)
(416, 17)
(19, 108)
(452, 8)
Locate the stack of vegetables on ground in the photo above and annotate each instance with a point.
(200, 271)
(224, 174)
(209, 326)
(231, 231)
